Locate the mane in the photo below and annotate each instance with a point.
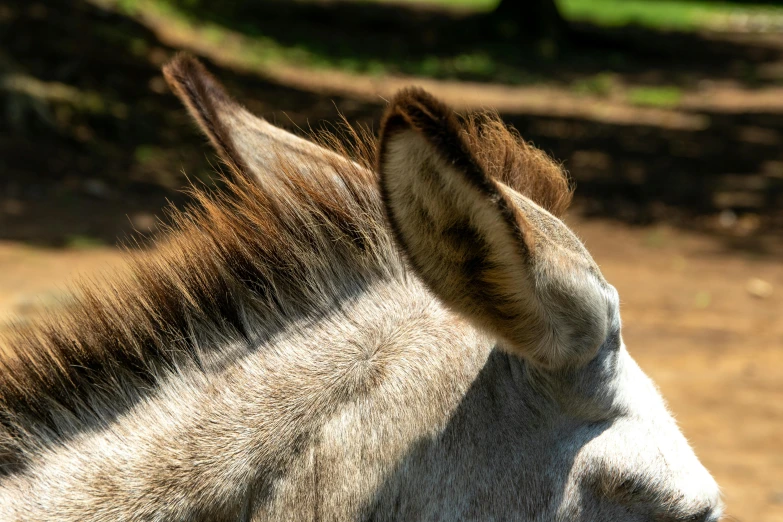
(234, 268)
(507, 157)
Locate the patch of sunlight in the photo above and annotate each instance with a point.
(665, 14)
(655, 96)
(81, 242)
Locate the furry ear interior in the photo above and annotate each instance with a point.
(490, 253)
(246, 142)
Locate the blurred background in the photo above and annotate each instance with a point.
(668, 114)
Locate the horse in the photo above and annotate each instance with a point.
(351, 328)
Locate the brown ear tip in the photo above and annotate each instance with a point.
(189, 79)
(181, 66)
(180, 61)
(414, 108)
(416, 98)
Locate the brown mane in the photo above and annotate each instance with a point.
(506, 157)
(236, 267)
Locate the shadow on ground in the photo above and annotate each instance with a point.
(92, 144)
(412, 39)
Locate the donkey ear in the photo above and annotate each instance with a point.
(485, 250)
(246, 142)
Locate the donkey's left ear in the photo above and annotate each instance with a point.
(484, 249)
(246, 142)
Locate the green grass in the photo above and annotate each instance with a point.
(659, 96)
(661, 14)
(80, 242)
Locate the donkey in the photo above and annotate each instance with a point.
(393, 329)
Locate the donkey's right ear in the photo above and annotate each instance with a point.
(485, 250)
(246, 142)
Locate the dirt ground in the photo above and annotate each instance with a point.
(693, 318)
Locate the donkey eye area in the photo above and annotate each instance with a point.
(624, 489)
(640, 494)
(704, 515)
(707, 514)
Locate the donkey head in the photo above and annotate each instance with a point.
(514, 270)
(474, 211)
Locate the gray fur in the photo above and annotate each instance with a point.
(395, 403)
